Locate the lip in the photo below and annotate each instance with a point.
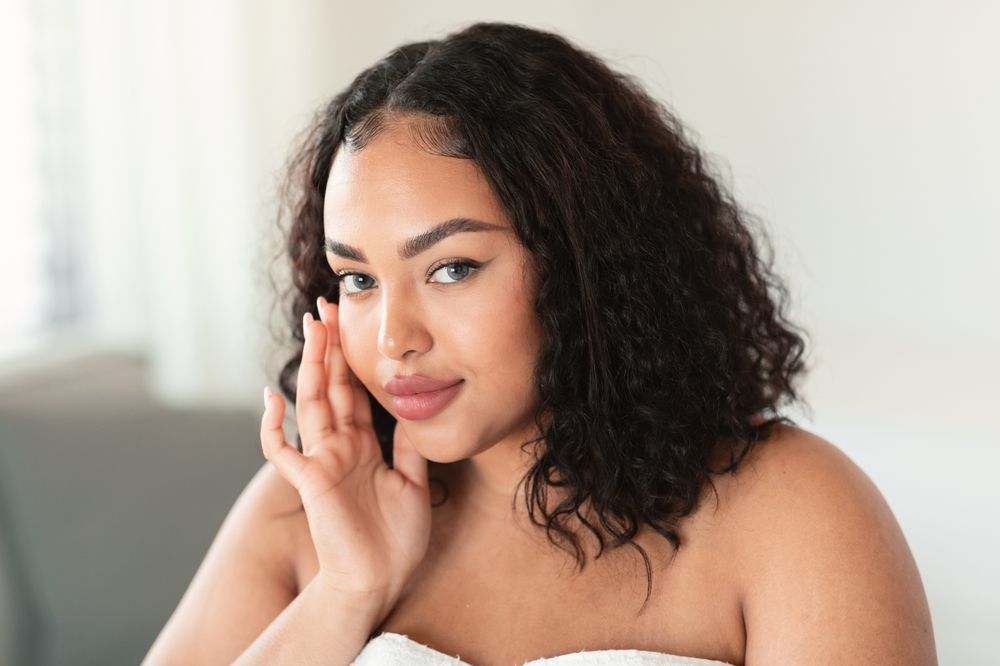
(425, 404)
(411, 384)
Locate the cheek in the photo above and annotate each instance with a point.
(478, 327)
(467, 330)
(353, 347)
(501, 336)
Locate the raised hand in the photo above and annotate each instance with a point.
(370, 524)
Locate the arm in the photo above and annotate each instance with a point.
(830, 578)
(320, 627)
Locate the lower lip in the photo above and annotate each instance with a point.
(424, 405)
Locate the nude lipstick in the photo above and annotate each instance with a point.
(419, 397)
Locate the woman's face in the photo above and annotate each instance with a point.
(455, 307)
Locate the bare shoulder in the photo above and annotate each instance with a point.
(275, 506)
(797, 464)
(827, 575)
(272, 492)
(267, 511)
(283, 507)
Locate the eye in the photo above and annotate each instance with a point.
(353, 283)
(455, 271)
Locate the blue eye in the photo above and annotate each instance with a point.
(356, 280)
(458, 270)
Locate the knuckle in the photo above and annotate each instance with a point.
(310, 394)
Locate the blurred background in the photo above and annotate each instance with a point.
(142, 145)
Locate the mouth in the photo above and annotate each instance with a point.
(417, 406)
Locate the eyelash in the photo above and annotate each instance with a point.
(473, 265)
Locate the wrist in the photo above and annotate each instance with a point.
(368, 606)
(323, 624)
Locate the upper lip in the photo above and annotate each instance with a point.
(411, 384)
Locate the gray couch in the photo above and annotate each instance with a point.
(108, 502)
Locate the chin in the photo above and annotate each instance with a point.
(444, 460)
(439, 455)
(439, 447)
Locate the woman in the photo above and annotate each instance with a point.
(537, 390)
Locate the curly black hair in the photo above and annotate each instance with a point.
(667, 346)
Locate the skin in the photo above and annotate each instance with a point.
(478, 326)
(798, 559)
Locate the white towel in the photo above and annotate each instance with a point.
(390, 649)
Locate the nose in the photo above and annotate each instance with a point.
(402, 330)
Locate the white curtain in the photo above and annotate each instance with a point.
(23, 236)
(162, 193)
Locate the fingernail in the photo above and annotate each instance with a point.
(267, 395)
(321, 307)
(307, 319)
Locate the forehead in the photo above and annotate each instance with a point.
(394, 181)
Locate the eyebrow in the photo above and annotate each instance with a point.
(419, 243)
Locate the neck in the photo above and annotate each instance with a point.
(485, 484)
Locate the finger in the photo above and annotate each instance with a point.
(362, 401)
(312, 408)
(407, 460)
(362, 404)
(340, 391)
(285, 457)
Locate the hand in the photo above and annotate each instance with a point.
(370, 524)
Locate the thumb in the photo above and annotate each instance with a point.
(407, 460)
